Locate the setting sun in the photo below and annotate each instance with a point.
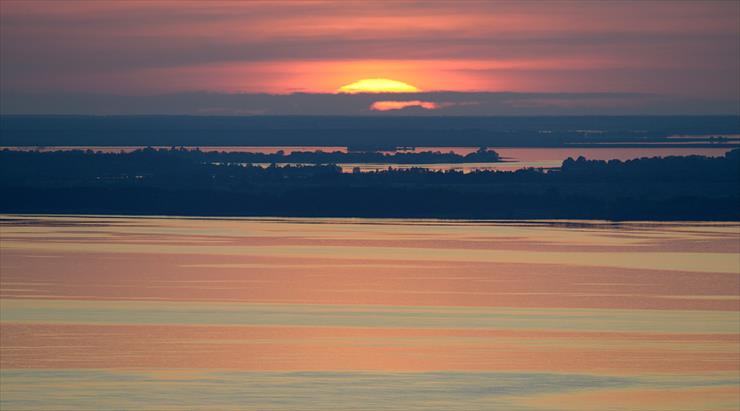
(378, 85)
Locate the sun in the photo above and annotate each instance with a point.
(378, 85)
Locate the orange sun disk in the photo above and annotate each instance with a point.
(378, 85)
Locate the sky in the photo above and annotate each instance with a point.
(622, 57)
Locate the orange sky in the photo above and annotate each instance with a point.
(684, 48)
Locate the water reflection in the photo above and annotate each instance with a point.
(515, 158)
(173, 313)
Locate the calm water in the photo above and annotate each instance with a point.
(519, 158)
(515, 158)
(334, 314)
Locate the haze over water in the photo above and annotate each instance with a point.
(283, 314)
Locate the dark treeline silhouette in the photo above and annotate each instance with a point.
(181, 182)
(482, 155)
(516, 131)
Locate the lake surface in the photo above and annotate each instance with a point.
(334, 314)
(514, 158)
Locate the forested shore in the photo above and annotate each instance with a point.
(174, 182)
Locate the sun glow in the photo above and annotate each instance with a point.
(399, 105)
(378, 85)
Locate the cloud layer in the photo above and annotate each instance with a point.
(425, 103)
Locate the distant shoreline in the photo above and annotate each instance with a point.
(381, 131)
(11, 217)
(605, 146)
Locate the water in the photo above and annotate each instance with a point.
(553, 157)
(514, 158)
(334, 314)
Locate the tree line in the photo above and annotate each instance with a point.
(180, 182)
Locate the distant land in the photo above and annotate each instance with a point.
(363, 131)
(177, 182)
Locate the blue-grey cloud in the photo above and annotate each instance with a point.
(448, 102)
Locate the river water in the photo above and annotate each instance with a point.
(334, 314)
(513, 158)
